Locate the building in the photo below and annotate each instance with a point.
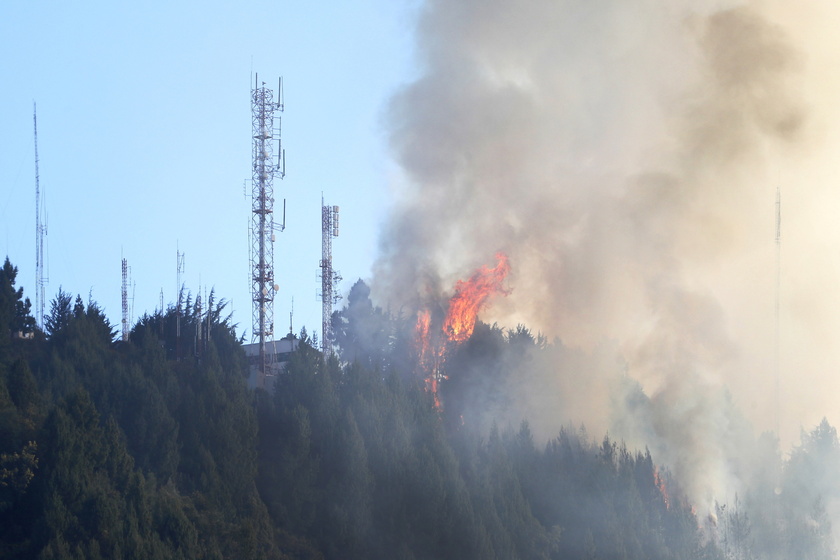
(278, 353)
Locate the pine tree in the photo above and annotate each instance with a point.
(15, 318)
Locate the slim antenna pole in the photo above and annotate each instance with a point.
(131, 299)
(162, 314)
(179, 269)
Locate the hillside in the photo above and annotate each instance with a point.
(156, 448)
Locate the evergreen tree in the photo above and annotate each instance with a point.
(155, 448)
(15, 320)
(61, 312)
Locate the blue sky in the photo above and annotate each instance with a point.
(144, 131)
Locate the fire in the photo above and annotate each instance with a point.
(424, 321)
(470, 297)
(659, 481)
(429, 352)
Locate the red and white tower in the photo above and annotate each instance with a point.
(268, 163)
(329, 277)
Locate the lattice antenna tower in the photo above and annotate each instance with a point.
(126, 319)
(179, 270)
(40, 232)
(329, 277)
(269, 161)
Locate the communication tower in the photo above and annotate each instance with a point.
(179, 270)
(269, 161)
(40, 232)
(329, 277)
(162, 314)
(125, 315)
(199, 336)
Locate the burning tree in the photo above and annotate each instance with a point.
(471, 296)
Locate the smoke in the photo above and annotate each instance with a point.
(626, 156)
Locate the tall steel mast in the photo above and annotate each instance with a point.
(329, 277)
(40, 232)
(268, 162)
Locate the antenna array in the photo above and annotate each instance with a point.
(268, 162)
(329, 277)
(40, 232)
(125, 314)
(179, 270)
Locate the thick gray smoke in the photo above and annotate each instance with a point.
(626, 156)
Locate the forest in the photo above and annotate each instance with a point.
(157, 448)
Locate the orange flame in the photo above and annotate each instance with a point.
(471, 296)
(430, 355)
(424, 321)
(659, 481)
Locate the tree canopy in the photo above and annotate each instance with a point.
(157, 448)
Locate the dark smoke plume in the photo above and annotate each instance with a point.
(626, 156)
